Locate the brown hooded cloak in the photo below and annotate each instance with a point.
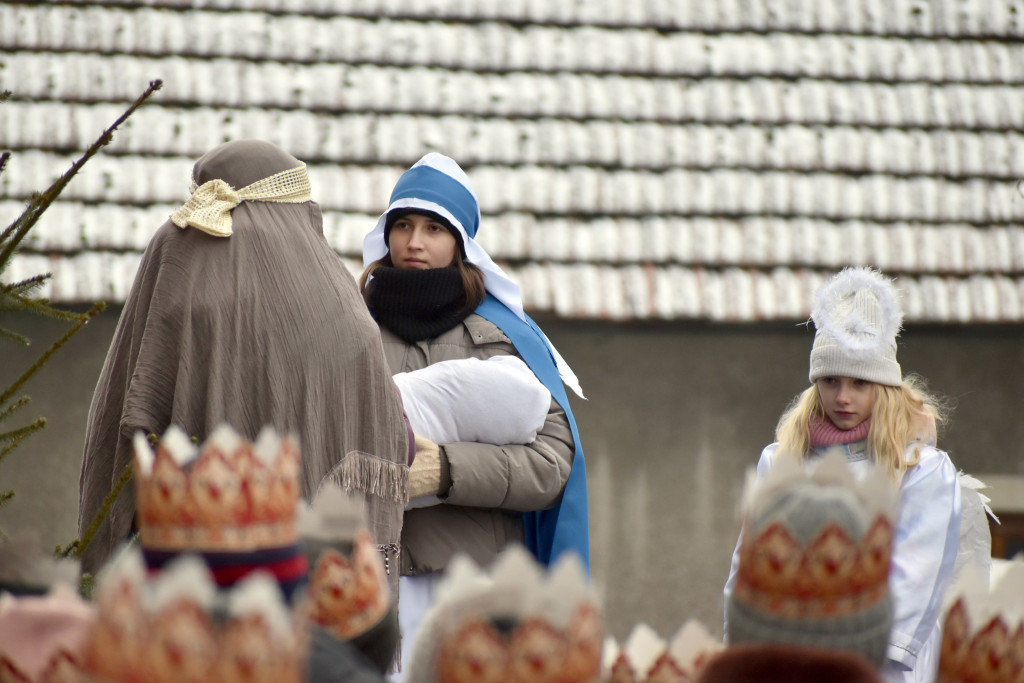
(264, 327)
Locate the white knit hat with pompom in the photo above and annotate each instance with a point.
(857, 317)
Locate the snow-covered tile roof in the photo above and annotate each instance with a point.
(634, 158)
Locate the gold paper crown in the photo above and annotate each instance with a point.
(647, 658)
(227, 495)
(348, 590)
(826, 554)
(517, 624)
(349, 596)
(177, 628)
(983, 633)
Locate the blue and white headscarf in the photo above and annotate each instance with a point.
(437, 183)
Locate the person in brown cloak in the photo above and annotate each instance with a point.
(241, 313)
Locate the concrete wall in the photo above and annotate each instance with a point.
(676, 412)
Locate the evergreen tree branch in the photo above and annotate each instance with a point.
(78, 546)
(19, 297)
(4, 158)
(86, 584)
(5, 498)
(43, 307)
(86, 317)
(9, 410)
(16, 436)
(16, 232)
(26, 286)
(15, 337)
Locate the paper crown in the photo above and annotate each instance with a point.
(515, 624)
(983, 631)
(816, 540)
(348, 590)
(177, 627)
(228, 495)
(349, 595)
(647, 658)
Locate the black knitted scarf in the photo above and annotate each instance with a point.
(418, 304)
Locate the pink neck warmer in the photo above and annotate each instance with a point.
(824, 433)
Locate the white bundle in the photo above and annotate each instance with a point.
(497, 401)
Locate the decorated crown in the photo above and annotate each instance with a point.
(516, 624)
(983, 632)
(226, 495)
(816, 540)
(647, 658)
(178, 627)
(348, 591)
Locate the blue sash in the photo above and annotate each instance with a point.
(564, 527)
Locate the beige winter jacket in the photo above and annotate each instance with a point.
(491, 486)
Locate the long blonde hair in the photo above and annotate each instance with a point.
(901, 416)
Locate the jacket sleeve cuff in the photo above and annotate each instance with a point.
(899, 652)
(446, 473)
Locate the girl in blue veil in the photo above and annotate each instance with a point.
(437, 296)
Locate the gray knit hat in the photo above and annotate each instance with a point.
(814, 559)
(857, 317)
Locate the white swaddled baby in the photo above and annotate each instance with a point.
(497, 401)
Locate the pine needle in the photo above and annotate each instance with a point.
(15, 337)
(86, 585)
(19, 297)
(78, 546)
(12, 237)
(82, 320)
(15, 437)
(43, 307)
(9, 410)
(27, 286)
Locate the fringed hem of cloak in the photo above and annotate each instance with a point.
(359, 471)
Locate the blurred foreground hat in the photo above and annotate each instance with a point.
(814, 559)
(646, 658)
(983, 631)
(348, 595)
(231, 501)
(43, 637)
(189, 621)
(177, 626)
(515, 624)
(786, 664)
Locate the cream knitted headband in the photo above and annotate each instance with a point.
(209, 207)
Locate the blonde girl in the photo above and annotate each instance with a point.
(900, 415)
(860, 404)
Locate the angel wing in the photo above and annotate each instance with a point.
(975, 547)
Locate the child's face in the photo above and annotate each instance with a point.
(847, 400)
(417, 242)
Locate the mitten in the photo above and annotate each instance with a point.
(425, 472)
